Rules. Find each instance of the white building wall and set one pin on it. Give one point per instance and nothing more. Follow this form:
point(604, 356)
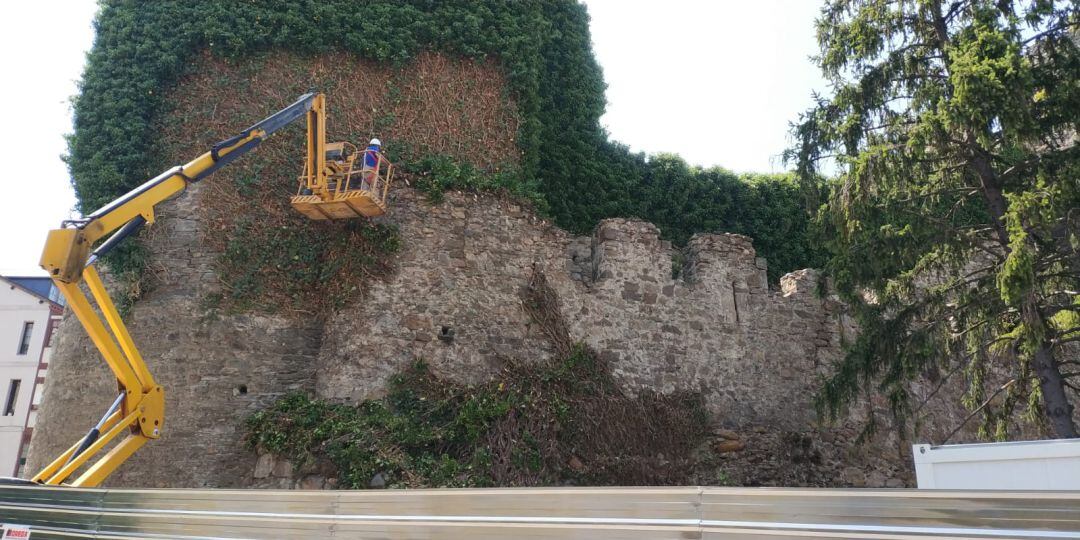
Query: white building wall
point(18, 307)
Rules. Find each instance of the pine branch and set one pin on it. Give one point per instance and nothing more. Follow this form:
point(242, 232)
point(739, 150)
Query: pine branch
point(1045, 33)
point(977, 410)
point(970, 190)
point(940, 385)
point(955, 9)
point(1062, 341)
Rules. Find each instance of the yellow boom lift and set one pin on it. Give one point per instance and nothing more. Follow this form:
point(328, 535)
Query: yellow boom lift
point(331, 187)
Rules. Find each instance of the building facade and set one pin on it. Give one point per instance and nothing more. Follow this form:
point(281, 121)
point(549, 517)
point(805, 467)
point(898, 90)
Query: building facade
point(30, 308)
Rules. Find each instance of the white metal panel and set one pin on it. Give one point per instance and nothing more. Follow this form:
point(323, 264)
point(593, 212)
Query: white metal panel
point(1040, 465)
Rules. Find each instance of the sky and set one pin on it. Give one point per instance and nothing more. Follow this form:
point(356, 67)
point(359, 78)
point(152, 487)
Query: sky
point(716, 81)
point(42, 52)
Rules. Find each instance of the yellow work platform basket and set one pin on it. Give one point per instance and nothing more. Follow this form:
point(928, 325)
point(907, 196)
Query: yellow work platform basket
point(338, 181)
point(351, 191)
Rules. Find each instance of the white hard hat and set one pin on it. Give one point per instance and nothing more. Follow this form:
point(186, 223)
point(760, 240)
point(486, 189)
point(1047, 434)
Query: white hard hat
point(375, 142)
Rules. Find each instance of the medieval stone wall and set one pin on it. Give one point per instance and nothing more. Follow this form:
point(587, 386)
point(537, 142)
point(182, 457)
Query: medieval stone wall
point(716, 328)
point(704, 319)
point(713, 326)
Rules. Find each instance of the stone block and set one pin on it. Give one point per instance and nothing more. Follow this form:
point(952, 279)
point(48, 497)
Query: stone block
point(575, 464)
point(416, 322)
point(283, 468)
point(378, 481)
point(729, 445)
point(312, 481)
point(853, 476)
point(264, 466)
point(726, 434)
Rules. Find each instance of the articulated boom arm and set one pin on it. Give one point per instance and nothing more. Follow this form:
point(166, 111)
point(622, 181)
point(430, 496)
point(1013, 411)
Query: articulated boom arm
point(69, 258)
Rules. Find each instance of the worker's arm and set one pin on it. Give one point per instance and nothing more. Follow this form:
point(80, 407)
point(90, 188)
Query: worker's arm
point(69, 258)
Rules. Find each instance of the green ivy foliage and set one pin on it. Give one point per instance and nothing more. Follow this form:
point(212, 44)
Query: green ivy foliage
point(408, 438)
point(299, 265)
point(568, 165)
point(143, 49)
point(524, 427)
point(434, 174)
point(683, 200)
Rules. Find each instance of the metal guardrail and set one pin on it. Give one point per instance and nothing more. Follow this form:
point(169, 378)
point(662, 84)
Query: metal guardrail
point(565, 513)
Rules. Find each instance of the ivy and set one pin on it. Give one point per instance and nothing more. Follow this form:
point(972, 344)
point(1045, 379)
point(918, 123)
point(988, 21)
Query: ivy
point(292, 266)
point(434, 174)
point(567, 167)
point(525, 427)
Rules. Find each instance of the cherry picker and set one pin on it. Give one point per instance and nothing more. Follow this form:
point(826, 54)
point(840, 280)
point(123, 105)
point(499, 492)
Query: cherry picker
point(327, 190)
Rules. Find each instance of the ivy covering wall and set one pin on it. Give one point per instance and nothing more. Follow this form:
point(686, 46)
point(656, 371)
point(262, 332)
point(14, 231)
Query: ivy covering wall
point(144, 48)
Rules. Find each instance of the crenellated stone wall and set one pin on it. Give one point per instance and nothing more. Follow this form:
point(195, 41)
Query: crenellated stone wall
point(716, 328)
point(703, 319)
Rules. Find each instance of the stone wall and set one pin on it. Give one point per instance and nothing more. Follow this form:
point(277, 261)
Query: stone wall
point(716, 328)
point(711, 324)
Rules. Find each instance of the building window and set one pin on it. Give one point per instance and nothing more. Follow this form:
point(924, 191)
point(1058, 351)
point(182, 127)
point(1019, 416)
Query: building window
point(12, 395)
point(24, 343)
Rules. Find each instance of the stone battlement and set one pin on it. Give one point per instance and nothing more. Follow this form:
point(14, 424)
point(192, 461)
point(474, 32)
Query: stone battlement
point(710, 257)
point(708, 324)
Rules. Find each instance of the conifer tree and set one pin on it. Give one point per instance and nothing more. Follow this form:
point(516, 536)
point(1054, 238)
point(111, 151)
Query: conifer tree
point(954, 219)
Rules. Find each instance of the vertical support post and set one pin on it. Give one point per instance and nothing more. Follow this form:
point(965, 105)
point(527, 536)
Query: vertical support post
point(386, 184)
point(316, 148)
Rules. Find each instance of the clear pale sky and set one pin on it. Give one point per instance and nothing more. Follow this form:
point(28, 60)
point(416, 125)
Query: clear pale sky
point(716, 81)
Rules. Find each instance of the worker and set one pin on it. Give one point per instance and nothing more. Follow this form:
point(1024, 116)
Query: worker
point(369, 169)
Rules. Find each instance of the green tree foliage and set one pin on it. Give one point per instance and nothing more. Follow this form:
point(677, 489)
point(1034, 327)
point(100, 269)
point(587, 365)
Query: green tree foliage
point(144, 48)
point(953, 221)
